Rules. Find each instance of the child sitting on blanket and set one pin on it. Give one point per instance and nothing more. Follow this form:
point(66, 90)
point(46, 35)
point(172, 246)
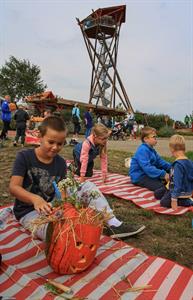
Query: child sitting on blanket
point(33, 177)
point(84, 153)
point(147, 168)
point(180, 186)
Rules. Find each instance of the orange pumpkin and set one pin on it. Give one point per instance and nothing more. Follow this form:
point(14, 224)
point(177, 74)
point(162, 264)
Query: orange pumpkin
point(12, 106)
point(73, 244)
point(37, 119)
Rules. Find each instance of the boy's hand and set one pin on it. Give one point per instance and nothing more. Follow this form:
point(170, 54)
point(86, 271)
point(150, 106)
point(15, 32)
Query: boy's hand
point(82, 179)
point(167, 177)
point(41, 206)
point(174, 204)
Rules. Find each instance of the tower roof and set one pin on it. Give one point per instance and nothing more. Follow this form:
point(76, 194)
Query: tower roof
point(117, 13)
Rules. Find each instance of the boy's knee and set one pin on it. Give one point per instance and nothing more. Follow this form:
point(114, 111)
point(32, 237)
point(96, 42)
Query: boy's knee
point(159, 193)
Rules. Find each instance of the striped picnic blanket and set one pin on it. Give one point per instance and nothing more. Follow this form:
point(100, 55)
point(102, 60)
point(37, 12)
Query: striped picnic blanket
point(32, 137)
point(121, 187)
point(117, 268)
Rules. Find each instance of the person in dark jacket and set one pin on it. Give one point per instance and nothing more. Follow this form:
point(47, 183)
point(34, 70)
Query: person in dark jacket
point(21, 117)
point(5, 116)
point(180, 186)
point(147, 168)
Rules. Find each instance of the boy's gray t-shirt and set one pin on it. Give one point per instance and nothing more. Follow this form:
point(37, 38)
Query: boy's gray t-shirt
point(38, 178)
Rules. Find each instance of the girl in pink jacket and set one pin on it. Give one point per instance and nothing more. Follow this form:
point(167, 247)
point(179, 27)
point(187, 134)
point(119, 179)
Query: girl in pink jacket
point(84, 153)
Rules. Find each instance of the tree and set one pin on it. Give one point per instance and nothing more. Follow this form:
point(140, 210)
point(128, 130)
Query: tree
point(20, 78)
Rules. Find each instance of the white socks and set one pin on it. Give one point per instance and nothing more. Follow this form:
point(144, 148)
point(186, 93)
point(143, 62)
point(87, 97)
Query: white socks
point(114, 222)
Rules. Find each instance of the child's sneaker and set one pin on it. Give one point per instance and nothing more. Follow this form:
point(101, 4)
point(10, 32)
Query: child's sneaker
point(123, 231)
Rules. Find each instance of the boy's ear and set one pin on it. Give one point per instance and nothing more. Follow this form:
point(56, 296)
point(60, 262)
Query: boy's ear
point(145, 138)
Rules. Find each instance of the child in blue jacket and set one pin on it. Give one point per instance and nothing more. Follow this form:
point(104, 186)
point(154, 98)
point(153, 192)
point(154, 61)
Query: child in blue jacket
point(180, 186)
point(147, 168)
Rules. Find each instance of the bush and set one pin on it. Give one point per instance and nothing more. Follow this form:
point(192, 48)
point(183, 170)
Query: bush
point(166, 131)
point(153, 120)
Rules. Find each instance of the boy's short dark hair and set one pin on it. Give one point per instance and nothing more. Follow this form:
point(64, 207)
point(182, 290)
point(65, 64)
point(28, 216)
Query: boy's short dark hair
point(146, 131)
point(53, 122)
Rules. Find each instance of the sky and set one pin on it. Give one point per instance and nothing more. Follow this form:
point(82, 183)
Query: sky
point(155, 59)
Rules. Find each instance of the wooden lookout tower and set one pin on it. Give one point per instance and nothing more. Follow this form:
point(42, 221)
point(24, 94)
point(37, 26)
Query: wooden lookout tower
point(101, 31)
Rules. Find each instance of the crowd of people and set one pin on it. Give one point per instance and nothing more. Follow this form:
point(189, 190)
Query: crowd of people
point(119, 129)
point(23, 119)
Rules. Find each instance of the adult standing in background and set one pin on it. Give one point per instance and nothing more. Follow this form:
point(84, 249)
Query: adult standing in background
point(5, 116)
point(186, 121)
point(76, 121)
point(88, 121)
point(21, 117)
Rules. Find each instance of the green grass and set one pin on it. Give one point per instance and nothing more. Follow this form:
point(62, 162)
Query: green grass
point(167, 236)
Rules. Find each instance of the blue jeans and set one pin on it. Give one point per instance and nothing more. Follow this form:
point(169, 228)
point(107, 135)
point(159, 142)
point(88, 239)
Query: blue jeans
point(87, 132)
point(153, 184)
point(166, 201)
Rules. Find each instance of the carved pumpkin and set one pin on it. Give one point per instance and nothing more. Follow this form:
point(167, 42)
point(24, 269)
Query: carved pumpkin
point(12, 106)
point(73, 244)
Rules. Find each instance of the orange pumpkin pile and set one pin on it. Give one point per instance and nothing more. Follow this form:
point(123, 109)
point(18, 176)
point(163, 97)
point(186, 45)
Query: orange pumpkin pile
point(74, 241)
point(37, 119)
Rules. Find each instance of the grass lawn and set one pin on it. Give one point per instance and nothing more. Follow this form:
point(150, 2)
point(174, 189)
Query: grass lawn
point(167, 236)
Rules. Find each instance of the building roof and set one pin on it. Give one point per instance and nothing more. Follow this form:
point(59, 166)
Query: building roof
point(48, 95)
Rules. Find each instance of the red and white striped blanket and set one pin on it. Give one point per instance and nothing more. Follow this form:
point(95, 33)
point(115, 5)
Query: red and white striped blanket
point(116, 268)
point(121, 187)
point(32, 137)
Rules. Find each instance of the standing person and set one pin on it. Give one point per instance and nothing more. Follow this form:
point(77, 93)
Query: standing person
point(99, 119)
point(180, 185)
point(21, 117)
point(186, 121)
point(147, 168)
point(130, 118)
point(88, 122)
point(32, 182)
point(76, 121)
point(5, 116)
point(134, 130)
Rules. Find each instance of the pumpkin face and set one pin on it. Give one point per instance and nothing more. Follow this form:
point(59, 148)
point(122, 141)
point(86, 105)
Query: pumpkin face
point(73, 245)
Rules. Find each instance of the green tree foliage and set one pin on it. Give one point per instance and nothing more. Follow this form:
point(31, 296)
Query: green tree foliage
point(20, 78)
point(153, 120)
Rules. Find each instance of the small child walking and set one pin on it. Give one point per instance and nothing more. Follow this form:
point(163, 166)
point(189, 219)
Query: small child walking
point(180, 185)
point(21, 117)
point(84, 153)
